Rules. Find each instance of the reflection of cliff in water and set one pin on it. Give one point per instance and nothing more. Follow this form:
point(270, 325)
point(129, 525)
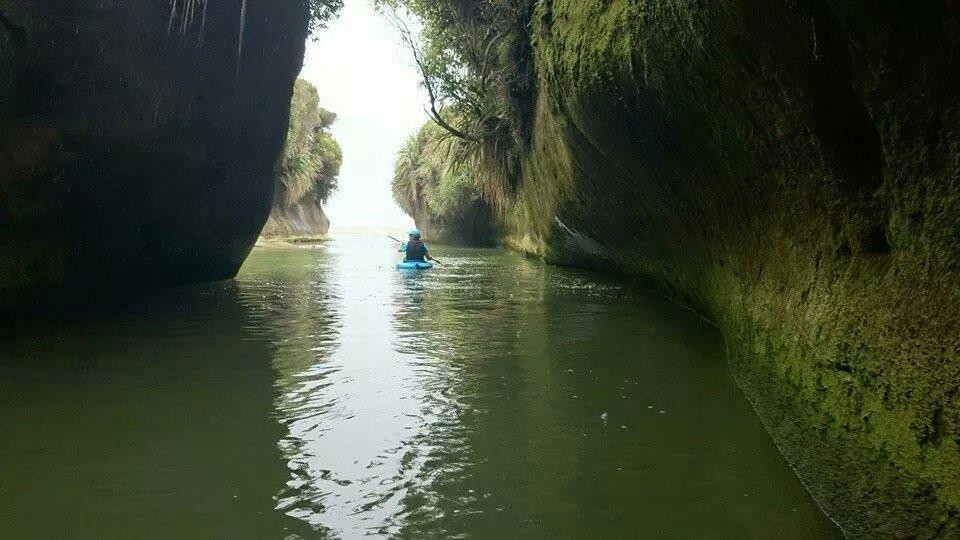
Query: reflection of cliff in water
point(560, 403)
point(152, 421)
point(298, 312)
point(462, 328)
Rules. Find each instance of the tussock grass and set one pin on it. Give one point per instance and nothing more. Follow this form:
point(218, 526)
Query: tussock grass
point(311, 158)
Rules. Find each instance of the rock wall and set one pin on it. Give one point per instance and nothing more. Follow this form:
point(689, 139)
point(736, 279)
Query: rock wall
point(303, 218)
point(308, 169)
point(472, 225)
point(136, 151)
point(791, 169)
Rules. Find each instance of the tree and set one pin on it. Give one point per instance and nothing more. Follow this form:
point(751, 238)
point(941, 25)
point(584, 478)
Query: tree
point(475, 61)
point(322, 12)
point(457, 56)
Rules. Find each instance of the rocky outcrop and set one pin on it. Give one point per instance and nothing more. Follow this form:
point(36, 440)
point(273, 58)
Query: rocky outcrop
point(308, 171)
point(303, 218)
point(138, 147)
point(790, 169)
point(471, 225)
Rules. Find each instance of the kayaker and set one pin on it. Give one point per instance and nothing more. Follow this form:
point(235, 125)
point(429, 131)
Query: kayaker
point(414, 249)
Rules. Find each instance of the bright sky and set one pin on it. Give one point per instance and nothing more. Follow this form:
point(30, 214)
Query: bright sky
point(364, 74)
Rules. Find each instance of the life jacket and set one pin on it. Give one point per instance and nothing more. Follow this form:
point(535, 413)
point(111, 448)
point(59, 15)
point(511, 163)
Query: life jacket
point(415, 251)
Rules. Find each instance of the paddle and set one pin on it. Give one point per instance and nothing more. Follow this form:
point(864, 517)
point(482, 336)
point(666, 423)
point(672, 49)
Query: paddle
point(401, 243)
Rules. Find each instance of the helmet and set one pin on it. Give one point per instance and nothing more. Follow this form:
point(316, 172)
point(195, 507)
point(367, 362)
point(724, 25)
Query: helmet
point(414, 233)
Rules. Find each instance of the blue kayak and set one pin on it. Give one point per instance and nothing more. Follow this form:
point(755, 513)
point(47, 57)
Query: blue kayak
point(414, 265)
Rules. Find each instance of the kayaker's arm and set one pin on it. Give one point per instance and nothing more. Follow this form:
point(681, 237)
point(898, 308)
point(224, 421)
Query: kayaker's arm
point(429, 258)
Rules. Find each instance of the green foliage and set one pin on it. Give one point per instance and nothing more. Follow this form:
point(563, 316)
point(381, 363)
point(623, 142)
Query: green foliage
point(322, 12)
point(429, 176)
point(475, 59)
point(311, 157)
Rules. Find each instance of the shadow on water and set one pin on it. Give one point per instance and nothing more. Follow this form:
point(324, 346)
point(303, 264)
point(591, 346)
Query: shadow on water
point(323, 393)
point(148, 421)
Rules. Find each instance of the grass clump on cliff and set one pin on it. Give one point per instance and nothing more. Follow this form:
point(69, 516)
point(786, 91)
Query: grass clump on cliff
point(311, 158)
point(429, 177)
point(475, 63)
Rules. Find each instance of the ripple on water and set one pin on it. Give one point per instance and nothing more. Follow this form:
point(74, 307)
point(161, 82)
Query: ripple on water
point(487, 395)
point(323, 393)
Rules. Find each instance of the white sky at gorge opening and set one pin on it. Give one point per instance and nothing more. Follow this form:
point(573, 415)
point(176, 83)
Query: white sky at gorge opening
point(364, 74)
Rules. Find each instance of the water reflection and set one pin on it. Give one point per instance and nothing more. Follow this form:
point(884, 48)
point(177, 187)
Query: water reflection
point(495, 394)
point(352, 407)
point(152, 421)
point(323, 393)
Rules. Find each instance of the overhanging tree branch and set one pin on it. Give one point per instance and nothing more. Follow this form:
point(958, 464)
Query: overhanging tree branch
point(433, 111)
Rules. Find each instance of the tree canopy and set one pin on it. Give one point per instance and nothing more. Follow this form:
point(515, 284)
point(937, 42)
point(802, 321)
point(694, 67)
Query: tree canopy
point(322, 12)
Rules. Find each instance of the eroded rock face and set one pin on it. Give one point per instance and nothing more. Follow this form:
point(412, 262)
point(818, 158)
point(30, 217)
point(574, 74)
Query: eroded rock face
point(471, 225)
point(792, 170)
point(135, 151)
point(303, 218)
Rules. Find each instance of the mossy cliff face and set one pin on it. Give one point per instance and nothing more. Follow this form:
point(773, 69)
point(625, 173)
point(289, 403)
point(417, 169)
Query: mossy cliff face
point(136, 150)
point(792, 170)
point(471, 225)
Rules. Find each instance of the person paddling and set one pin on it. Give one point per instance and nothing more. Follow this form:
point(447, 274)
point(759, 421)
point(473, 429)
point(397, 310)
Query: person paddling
point(414, 249)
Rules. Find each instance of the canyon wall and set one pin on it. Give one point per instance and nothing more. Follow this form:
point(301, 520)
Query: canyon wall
point(789, 169)
point(138, 142)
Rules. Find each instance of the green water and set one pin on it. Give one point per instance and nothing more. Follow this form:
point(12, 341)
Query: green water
point(323, 393)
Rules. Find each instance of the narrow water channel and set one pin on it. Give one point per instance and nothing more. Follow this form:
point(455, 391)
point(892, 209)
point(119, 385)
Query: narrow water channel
point(325, 394)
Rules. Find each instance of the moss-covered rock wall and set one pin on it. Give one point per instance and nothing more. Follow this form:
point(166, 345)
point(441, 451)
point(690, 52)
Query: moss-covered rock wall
point(138, 148)
point(471, 225)
point(791, 169)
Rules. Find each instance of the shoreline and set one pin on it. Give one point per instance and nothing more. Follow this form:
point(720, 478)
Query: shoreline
point(291, 241)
